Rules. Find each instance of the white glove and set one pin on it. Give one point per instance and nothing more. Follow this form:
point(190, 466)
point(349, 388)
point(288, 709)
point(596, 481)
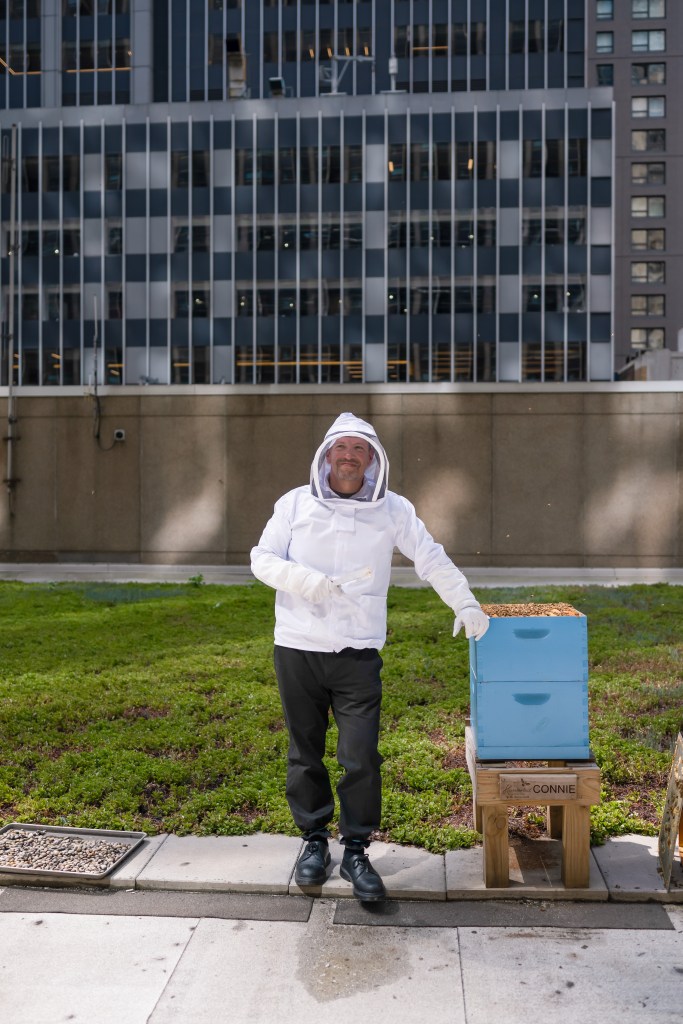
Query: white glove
point(317, 587)
point(475, 621)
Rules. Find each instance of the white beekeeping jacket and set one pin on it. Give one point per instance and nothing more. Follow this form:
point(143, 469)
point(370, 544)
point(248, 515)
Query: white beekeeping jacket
point(351, 541)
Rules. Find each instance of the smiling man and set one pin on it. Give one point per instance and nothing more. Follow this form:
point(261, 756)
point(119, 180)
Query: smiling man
point(327, 551)
point(348, 458)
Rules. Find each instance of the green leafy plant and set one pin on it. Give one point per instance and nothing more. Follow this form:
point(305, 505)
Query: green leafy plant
point(155, 707)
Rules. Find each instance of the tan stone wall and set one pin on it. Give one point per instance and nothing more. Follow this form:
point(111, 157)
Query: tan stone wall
point(502, 477)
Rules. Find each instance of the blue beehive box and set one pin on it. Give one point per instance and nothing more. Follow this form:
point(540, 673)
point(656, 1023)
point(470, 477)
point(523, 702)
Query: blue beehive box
point(529, 688)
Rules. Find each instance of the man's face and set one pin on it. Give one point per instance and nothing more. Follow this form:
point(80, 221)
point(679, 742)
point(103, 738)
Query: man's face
point(348, 457)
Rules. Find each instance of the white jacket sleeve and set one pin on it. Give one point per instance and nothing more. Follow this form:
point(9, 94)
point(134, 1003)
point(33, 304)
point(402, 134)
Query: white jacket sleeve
point(270, 565)
point(431, 561)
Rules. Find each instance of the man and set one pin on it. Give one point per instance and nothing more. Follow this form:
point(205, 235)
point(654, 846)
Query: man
point(327, 552)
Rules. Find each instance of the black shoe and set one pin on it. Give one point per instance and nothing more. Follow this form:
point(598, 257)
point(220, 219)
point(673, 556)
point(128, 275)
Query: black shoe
point(310, 867)
point(356, 868)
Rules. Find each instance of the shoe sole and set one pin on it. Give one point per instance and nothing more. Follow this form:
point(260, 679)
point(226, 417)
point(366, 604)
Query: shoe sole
point(362, 897)
point(304, 883)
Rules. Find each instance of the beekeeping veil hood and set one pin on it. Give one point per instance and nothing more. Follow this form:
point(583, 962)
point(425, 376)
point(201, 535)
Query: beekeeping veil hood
point(376, 475)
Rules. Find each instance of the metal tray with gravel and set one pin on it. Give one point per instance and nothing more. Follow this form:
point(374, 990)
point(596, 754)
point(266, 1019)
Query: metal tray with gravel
point(51, 852)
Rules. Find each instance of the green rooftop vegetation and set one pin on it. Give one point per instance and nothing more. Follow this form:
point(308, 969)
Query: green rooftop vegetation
point(155, 708)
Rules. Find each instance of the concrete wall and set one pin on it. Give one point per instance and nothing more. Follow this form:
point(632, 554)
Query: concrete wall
point(503, 476)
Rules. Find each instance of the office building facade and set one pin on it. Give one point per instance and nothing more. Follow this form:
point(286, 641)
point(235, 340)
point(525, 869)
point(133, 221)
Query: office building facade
point(635, 47)
point(282, 192)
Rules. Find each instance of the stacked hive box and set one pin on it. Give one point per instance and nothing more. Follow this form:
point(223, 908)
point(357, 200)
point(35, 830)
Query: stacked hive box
point(529, 686)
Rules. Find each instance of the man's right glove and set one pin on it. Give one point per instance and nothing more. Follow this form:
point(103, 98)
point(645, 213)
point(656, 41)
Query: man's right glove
point(317, 587)
point(475, 622)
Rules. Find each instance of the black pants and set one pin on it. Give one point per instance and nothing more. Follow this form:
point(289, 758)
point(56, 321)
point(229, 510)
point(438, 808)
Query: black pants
point(311, 683)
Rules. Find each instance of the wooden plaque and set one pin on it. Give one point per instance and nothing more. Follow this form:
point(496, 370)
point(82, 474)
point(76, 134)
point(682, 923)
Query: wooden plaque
point(671, 832)
point(538, 788)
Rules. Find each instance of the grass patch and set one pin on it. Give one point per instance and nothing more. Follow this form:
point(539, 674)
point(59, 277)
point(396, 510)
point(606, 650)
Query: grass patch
point(156, 708)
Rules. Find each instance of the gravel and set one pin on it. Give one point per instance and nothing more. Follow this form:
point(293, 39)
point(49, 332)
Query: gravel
point(44, 851)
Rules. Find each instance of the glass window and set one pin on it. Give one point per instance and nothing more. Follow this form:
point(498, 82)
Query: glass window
point(244, 300)
point(397, 299)
point(289, 41)
point(63, 305)
point(287, 234)
point(113, 171)
point(647, 337)
point(353, 164)
point(419, 161)
point(605, 74)
point(114, 239)
point(648, 206)
point(576, 230)
point(648, 41)
point(265, 167)
point(649, 140)
point(71, 241)
point(516, 37)
point(648, 9)
point(604, 42)
point(265, 237)
point(536, 37)
point(30, 242)
point(401, 41)
point(556, 35)
point(464, 161)
point(578, 158)
point(191, 304)
point(648, 238)
point(308, 234)
point(532, 230)
point(397, 234)
point(244, 166)
point(331, 164)
point(397, 162)
point(191, 237)
point(604, 10)
point(114, 304)
point(648, 74)
point(464, 232)
point(270, 47)
point(539, 156)
point(441, 165)
point(287, 165)
point(353, 234)
point(653, 173)
point(180, 170)
point(478, 38)
point(30, 306)
point(486, 161)
point(647, 305)
point(30, 174)
point(325, 44)
point(650, 272)
point(486, 231)
point(308, 45)
point(648, 106)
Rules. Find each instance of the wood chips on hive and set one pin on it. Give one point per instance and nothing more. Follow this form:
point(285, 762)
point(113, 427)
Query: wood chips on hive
point(506, 611)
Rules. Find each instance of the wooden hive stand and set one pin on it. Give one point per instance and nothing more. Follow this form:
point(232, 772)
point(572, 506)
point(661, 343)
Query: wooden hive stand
point(567, 788)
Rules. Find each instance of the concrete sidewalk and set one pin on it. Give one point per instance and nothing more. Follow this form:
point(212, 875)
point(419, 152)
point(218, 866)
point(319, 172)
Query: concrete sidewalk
point(478, 576)
point(623, 870)
point(209, 930)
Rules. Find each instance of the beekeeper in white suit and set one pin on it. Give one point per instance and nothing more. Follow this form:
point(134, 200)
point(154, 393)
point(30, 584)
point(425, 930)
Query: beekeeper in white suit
point(327, 551)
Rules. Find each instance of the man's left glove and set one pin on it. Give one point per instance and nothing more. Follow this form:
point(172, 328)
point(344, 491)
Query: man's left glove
point(475, 622)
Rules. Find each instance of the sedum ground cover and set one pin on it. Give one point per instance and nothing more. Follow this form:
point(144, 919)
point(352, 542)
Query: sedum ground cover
point(156, 708)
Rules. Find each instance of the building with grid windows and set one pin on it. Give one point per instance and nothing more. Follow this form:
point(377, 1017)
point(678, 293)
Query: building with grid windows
point(635, 47)
point(289, 191)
